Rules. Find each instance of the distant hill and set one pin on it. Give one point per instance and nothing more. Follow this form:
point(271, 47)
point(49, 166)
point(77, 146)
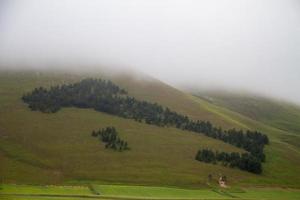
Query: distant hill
point(282, 115)
point(59, 146)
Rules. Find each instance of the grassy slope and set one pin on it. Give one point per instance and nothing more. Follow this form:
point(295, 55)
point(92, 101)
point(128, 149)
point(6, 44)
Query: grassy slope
point(153, 90)
point(283, 153)
point(60, 147)
point(282, 115)
point(283, 158)
point(156, 152)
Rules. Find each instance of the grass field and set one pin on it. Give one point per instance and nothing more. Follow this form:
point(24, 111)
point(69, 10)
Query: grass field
point(24, 192)
point(58, 147)
point(154, 192)
point(46, 190)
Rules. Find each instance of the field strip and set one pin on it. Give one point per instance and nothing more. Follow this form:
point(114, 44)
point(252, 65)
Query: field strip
point(126, 192)
point(224, 193)
point(112, 197)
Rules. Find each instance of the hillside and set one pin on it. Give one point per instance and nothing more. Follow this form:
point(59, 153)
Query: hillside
point(280, 114)
point(60, 148)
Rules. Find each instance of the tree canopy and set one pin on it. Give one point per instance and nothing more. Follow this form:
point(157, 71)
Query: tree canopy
point(110, 137)
point(243, 161)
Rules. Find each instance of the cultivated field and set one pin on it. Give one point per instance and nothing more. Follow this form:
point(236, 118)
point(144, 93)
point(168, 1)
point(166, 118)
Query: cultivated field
point(24, 192)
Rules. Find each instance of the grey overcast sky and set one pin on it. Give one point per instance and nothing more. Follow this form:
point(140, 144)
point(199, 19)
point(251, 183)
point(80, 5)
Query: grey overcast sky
point(241, 44)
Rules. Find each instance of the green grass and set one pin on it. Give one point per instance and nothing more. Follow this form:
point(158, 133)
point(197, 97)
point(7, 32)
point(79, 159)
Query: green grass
point(9, 197)
point(269, 193)
point(282, 165)
point(155, 192)
point(282, 115)
point(60, 149)
point(25, 192)
point(45, 190)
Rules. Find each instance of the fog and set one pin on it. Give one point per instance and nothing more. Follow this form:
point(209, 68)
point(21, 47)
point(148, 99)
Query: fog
point(251, 45)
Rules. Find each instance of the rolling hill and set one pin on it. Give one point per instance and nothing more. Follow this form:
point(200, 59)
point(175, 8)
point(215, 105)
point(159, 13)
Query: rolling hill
point(59, 148)
point(280, 114)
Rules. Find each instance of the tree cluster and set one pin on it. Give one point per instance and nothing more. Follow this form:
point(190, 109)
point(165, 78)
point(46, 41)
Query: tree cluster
point(88, 93)
point(111, 139)
point(105, 96)
point(243, 161)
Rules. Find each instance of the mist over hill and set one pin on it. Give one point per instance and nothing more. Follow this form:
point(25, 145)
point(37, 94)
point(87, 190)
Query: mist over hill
point(240, 45)
point(139, 99)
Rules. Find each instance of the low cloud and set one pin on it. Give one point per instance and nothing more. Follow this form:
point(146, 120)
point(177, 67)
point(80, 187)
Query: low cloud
point(248, 45)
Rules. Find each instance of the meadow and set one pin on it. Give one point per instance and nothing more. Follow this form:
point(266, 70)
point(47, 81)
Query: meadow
point(26, 192)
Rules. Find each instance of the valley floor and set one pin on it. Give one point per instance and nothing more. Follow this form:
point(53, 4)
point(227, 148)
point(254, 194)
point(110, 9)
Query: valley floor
point(108, 192)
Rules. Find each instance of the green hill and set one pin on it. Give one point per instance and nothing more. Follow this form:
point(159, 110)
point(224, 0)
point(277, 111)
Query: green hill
point(280, 114)
point(40, 148)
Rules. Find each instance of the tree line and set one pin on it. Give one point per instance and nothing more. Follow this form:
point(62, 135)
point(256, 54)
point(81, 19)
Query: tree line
point(105, 96)
point(110, 137)
point(244, 161)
